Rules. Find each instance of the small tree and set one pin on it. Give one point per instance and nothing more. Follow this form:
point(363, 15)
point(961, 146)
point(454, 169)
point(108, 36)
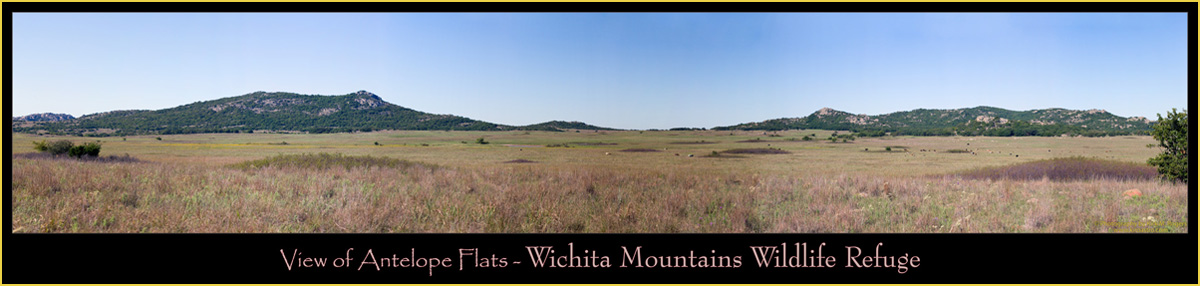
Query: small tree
point(1172, 135)
point(480, 141)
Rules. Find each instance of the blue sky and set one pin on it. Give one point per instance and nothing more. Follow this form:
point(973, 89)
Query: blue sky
point(622, 70)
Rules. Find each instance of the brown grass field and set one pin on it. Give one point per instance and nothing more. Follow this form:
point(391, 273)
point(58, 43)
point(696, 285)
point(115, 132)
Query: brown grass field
point(439, 181)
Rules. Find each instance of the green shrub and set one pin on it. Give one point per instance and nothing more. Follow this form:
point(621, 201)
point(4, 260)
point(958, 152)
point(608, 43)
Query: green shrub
point(43, 147)
point(480, 141)
point(61, 147)
point(56, 148)
point(85, 149)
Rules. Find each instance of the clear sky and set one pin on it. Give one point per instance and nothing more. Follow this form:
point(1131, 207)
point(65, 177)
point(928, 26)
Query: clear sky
point(621, 70)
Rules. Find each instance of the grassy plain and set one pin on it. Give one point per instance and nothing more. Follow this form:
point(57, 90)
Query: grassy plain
point(449, 183)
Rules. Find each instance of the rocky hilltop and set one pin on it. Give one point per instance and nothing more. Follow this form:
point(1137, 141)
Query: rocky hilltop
point(44, 117)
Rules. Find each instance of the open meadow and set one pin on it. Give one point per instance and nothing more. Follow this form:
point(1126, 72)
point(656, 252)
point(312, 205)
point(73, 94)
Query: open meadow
point(593, 182)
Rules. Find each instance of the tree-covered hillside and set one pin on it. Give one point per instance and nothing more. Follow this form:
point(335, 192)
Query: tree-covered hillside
point(561, 126)
point(983, 120)
point(265, 111)
point(275, 112)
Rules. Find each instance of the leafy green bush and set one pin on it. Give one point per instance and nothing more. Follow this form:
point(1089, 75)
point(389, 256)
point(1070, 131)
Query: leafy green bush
point(54, 148)
point(1172, 135)
point(480, 141)
point(43, 147)
point(85, 149)
point(61, 147)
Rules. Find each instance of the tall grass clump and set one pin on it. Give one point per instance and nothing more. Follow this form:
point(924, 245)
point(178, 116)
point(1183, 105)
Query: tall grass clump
point(1066, 169)
point(325, 161)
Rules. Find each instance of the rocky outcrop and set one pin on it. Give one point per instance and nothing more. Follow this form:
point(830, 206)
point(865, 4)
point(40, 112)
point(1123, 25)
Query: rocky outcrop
point(44, 117)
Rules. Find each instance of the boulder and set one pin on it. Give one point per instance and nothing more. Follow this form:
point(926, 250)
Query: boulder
point(1132, 193)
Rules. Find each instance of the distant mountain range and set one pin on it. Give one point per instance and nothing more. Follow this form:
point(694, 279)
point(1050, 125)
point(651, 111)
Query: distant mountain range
point(364, 111)
point(982, 120)
point(275, 111)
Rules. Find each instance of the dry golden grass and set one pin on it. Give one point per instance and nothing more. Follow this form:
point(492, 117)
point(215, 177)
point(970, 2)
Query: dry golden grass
point(189, 184)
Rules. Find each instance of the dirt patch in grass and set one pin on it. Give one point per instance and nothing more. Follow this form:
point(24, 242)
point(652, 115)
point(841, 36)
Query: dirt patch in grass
point(519, 161)
point(641, 150)
point(956, 151)
point(755, 151)
point(523, 146)
point(1066, 169)
point(591, 143)
point(694, 142)
point(877, 150)
point(719, 155)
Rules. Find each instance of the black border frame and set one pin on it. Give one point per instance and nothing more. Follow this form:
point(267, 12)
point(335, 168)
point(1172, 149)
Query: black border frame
point(251, 258)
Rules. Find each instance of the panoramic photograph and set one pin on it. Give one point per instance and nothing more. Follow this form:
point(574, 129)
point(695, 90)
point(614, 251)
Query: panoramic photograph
point(599, 123)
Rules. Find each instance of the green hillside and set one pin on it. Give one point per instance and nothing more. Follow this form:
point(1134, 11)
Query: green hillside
point(275, 112)
point(265, 111)
point(983, 120)
point(562, 126)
